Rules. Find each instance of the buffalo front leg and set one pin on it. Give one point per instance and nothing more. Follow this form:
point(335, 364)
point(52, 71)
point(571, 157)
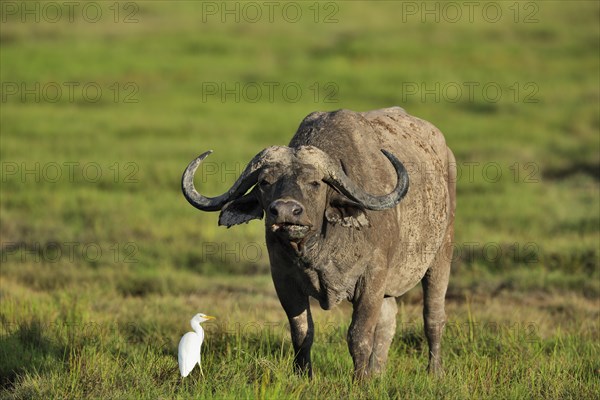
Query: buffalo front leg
point(384, 333)
point(297, 309)
point(367, 305)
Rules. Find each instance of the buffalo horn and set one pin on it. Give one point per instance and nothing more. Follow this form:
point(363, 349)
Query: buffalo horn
point(339, 180)
point(246, 180)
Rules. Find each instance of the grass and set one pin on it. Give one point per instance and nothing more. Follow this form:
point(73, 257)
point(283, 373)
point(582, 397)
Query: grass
point(100, 274)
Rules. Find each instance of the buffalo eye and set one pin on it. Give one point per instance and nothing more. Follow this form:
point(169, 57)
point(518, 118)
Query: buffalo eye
point(263, 183)
point(315, 184)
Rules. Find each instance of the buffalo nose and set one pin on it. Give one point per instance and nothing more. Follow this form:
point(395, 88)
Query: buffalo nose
point(285, 208)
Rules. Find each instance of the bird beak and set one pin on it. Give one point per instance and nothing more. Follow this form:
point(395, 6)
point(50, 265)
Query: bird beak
point(209, 317)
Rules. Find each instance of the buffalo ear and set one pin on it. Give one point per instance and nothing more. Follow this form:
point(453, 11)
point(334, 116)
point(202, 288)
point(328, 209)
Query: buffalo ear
point(241, 210)
point(346, 212)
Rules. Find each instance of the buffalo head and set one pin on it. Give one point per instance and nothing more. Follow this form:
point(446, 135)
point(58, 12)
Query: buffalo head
point(297, 189)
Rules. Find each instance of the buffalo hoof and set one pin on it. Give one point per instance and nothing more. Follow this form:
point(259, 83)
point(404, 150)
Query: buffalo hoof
point(436, 370)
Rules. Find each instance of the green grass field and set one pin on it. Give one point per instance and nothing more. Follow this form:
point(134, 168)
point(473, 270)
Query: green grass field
point(104, 262)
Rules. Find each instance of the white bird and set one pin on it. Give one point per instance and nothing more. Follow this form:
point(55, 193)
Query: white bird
point(189, 345)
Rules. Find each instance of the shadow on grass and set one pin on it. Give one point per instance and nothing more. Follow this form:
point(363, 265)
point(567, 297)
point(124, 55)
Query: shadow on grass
point(581, 167)
point(409, 341)
point(26, 349)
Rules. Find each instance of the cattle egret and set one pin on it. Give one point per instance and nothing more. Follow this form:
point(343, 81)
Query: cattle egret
point(189, 345)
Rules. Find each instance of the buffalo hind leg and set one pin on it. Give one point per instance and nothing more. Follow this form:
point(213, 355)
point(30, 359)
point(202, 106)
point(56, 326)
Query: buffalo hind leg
point(384, 333)
point(435, 283)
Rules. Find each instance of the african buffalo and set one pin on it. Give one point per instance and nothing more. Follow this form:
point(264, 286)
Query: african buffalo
point(341, 223)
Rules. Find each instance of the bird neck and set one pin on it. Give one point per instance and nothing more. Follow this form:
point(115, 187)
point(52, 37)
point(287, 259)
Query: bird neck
point(196, 327)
